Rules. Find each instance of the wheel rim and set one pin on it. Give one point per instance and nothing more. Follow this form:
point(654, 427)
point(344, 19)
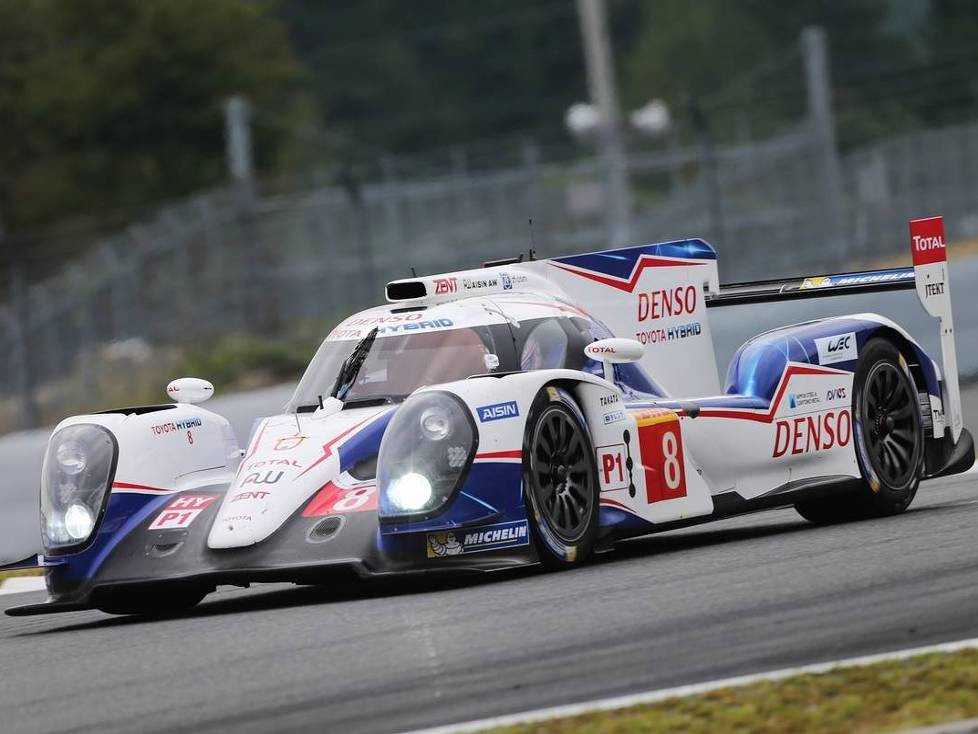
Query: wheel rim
point(560, 474)
point(891, 424)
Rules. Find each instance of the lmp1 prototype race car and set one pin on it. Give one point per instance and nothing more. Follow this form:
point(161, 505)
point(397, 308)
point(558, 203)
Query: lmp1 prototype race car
point(519, 413)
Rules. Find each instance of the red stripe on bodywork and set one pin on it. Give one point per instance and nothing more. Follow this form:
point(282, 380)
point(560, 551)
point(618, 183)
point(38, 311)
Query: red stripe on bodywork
point(143, 487)
point(768, 415)
point(517, 454)
point(645, 261)
point(328, 446)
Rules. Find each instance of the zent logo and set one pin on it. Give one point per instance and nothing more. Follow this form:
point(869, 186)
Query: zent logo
point(838, 348)
point(498, 411)
point(249, 496)
point(445, 285)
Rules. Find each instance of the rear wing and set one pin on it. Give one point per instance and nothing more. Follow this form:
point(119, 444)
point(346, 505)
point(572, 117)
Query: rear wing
point(928, 276)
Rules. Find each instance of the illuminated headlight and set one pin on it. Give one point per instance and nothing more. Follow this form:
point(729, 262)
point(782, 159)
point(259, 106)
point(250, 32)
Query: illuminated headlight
point(409, 492)
point(75, 480)
point(418, 470)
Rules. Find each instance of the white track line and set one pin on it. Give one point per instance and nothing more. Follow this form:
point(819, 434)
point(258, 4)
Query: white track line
point(620, 702)
point(21, 584)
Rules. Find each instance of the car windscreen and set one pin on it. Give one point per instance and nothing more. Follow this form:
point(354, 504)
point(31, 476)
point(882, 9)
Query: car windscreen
point(398, 365)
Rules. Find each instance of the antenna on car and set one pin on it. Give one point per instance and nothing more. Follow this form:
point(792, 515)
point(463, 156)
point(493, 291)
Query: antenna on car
point(413, 274)
point(532, 243)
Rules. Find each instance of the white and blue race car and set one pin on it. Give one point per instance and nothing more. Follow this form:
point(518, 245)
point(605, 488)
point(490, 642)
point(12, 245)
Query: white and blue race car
point(523, 412)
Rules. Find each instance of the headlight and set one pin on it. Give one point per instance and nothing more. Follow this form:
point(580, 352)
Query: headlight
point(424, 455)
point(75, 480)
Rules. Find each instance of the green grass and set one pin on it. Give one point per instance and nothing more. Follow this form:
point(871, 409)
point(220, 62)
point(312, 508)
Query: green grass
point(21, 572)
point(892, 696)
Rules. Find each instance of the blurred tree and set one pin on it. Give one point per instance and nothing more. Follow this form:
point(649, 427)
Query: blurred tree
point(109, 104)
point(742, 59)
point(426, 75)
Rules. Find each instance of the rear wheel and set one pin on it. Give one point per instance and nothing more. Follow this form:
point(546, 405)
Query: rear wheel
point(153, 602)
point(888, 436)
point(559, 480)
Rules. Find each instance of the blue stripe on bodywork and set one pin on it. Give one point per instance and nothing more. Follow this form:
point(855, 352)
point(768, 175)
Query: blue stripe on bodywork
point(621, 263)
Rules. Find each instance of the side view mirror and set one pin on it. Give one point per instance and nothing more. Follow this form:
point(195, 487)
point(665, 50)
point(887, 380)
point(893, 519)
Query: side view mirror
point(189, 390)
point(614, 351)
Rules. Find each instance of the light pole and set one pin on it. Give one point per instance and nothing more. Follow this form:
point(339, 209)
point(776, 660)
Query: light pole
point(604, 98)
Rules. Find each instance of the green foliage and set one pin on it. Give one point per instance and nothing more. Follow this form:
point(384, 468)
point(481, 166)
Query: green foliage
point(239, 362)
point(890, 696)
point(110, 104)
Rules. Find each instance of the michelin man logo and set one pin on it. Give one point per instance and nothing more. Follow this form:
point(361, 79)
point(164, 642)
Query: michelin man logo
point(443, 544)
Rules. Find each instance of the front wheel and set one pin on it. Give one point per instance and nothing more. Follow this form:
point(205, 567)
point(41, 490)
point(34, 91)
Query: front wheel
point(559, 480)
point(889, 440)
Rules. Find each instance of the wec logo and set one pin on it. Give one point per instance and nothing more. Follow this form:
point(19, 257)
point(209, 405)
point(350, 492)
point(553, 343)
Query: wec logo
point(498, 411)
point(838, 348)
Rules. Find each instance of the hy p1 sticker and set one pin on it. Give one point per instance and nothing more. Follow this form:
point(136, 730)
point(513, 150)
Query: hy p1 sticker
point(182, 512)
point(478, 540)
point(838, 348)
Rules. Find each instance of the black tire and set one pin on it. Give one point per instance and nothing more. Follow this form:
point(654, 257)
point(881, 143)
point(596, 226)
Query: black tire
point(888, 438)
point(559, 480)
point(152, 602)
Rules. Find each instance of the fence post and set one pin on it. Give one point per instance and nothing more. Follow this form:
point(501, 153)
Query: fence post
point(822, 121)
point(22, 356)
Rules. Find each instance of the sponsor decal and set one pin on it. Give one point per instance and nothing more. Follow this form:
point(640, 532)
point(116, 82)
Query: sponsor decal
point(614, 416)
point(813, 433)
point(333, 499)
point(869, 278)
point(250, 496)
point(182, 512)
point(609, 399)
point(802, 399)
point(273, 462)
point(822, 281)
point(927, 241)
point(173, 426)
point(392, 324)
point(838, 393)
point(882, 276)
point(491, 537)
point(236, 518)
point(266, 478)
point(497, 411)
point(416, 326)
point(445, 285)
point(683, 331)
point(287, 443)
point(470, 284)
point(507, 281)
point(838, 348)
point(663, 303)
point(613, 462)
point(934, 289)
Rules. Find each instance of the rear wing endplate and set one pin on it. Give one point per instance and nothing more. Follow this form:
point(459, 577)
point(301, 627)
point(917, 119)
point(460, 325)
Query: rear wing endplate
point(928, 276)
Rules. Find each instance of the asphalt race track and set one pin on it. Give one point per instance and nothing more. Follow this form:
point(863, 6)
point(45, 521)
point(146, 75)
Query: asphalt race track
point(746, 595)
